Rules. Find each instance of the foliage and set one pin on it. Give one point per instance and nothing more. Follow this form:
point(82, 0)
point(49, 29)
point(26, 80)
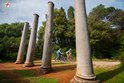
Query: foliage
point(121, 50)
point(39, 45)
point(70, 13)
point(105, 27)
point(10, 35)
point(104, 33)
point(63, 32)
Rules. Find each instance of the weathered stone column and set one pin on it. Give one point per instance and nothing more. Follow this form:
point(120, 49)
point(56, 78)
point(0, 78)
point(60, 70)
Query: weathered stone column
point(32, 42)
point(84, 72)
point(47, 49)
point(20, 57)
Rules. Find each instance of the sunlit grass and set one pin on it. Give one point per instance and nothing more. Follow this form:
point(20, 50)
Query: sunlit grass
point(42, 80)
point(111, 75)
point(24, 73)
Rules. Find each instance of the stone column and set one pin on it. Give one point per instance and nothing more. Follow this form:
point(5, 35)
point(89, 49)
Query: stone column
point(32, 42)
point(47, 49)
point(20, 57)
point(84, 72)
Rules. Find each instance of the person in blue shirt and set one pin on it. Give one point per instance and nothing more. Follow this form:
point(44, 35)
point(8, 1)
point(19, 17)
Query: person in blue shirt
point(59, 54)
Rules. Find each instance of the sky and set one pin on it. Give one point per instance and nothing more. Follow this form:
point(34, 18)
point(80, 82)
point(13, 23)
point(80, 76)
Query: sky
point(23, 10)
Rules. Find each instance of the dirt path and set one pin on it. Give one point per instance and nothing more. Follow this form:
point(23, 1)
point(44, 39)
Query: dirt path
point(13, 66)
point(64, 72)
point(105, 63)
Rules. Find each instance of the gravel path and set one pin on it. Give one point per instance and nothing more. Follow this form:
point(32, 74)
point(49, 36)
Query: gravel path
point(105, 63)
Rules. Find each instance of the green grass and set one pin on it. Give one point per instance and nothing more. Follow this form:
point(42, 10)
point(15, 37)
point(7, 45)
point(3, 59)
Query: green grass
point(25, 76)
point(30, 75)
point(25, 73)
point(110, 75)
point(43, 80)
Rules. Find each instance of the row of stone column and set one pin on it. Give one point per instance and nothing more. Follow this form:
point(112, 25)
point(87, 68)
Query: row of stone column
point(31, 45)
point(47, 51)
point(84, 72)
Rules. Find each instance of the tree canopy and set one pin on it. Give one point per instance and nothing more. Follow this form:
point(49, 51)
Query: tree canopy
point(105, 25)
point(10, 35)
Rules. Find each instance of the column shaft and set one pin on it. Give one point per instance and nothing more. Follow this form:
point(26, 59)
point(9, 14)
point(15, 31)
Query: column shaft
point(32, 42)
point(47, 49)
point(20, 57)
point(84, 72)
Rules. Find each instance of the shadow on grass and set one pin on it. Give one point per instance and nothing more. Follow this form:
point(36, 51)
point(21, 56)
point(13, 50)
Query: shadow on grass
point(14, 81)
point(56, 69)
point(15, 76)
point(110, 74)
point(23, 76)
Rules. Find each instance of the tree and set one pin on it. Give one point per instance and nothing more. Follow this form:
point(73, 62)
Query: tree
point(117, 17)
point(101, 25)
point(39, 45)
point(63, 32)
point(103, 36)
point(71, 13)
point(10, 35)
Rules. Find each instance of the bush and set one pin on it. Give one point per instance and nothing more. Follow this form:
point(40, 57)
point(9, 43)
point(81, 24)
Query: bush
point(121, 57)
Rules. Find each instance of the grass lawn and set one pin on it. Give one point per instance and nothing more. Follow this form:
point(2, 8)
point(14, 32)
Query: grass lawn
point(43, 80)
point(110, 75)
point(29, 75)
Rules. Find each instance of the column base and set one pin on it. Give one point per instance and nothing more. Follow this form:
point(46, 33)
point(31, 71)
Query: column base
point(45, 70)
point(77, 79)
point(19, 62)
point(30, 64)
